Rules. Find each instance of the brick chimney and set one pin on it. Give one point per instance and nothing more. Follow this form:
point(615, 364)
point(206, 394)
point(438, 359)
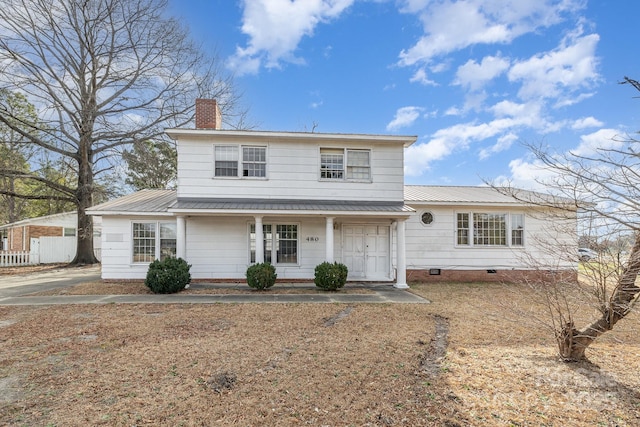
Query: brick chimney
point(208, 114)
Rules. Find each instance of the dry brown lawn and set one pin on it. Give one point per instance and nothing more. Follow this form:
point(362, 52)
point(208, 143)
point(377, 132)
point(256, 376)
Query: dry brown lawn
point(467, 359)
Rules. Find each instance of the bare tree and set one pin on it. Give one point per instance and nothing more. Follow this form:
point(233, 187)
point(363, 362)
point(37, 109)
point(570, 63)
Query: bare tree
point(103, 74)
point(603, 185)
point(14, 154)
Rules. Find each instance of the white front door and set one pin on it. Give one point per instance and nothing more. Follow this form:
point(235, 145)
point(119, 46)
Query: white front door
point(366, 251)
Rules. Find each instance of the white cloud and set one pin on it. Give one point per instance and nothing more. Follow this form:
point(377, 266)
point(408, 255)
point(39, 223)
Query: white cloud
point(569, 67)
point(275, 28)
point(509, 119)
point(475, 75)
point(404, 117)
point(453, 25)
point(504, 143)
point(586, 122)
point(420, 76)
point(601, 139)
point(528, 174)
point(533, 174)
point(446, 141)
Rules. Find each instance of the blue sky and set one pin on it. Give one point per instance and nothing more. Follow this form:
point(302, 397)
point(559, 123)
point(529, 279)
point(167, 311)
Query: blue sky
point(471, 79)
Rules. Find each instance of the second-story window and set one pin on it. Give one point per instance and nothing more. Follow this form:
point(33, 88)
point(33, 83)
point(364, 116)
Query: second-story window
point(358, 165)
point(254, 161)
point(340, 164)
point(331, 163)
point(240, 161)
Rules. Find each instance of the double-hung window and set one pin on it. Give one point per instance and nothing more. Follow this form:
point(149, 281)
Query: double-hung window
point(345, 164)
point(280, 243)
point(489, 229)
point(153, 240)
point(331, 163)
point(517, 230)
point(240, 161)
point(358, 165)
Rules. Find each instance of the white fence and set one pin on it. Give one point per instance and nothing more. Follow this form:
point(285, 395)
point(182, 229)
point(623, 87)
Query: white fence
point(15, 258)
point(57, 249)
point(46, 250)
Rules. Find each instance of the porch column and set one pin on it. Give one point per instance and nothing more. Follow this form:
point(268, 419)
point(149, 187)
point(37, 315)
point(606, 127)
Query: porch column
point(329, 240)
point(259, 240)
point(181, 237)
point(401, 265)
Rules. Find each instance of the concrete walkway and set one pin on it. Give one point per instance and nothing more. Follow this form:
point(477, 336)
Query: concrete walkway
point(14, 290)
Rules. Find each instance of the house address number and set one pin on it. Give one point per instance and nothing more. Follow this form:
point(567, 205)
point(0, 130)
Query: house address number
point(313, 239)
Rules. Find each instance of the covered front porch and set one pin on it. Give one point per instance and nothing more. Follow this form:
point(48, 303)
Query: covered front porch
point(219, 238)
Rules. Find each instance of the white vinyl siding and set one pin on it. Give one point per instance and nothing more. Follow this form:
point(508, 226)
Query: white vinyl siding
point(292, 172)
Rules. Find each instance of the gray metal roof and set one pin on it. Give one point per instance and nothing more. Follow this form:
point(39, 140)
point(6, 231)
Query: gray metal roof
point(434, 194)
point(290, 205)
point(143, 201)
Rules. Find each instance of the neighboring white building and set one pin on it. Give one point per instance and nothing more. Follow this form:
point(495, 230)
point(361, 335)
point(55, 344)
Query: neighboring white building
point(309, 198)
point(58, 230)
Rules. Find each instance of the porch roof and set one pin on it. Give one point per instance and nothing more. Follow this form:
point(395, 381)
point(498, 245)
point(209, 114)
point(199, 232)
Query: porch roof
point(282, 206)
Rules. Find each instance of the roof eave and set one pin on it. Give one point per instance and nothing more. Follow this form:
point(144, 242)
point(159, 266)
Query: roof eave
point(406, 140)
point(126, 213)
point(272, 212)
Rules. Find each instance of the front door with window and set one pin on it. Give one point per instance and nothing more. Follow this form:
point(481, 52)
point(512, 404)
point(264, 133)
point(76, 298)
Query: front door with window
point(365, 251)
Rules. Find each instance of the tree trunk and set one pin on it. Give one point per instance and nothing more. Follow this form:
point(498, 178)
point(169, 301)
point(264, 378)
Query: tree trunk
point(573, 343)
point(84, 195)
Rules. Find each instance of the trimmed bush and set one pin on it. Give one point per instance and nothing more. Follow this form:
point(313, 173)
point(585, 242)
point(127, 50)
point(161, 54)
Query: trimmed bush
point(261, 276)
point(331, 277)
point(168, 276)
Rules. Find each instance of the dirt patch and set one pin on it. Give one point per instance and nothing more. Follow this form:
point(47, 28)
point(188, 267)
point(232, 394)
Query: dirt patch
point(223, 381)
point(431, 359)
point(330, 321)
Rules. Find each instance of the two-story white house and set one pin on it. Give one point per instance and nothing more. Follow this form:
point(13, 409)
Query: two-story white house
point(298, 199)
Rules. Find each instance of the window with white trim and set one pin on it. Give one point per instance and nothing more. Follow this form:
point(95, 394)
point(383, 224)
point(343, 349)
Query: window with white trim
point(153, 240)
point(517, 230)
point(331, 163)
point(236, 161)
point(345, 164)
point(489, 229)
point(281, 245)
point(359, 165)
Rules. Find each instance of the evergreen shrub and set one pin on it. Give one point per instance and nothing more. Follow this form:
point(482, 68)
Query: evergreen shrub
point(168, 276)
point(261, 276)
point(331, 276)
